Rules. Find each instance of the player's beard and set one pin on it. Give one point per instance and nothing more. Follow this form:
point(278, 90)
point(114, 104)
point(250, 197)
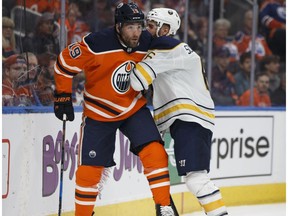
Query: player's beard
point(130, 42)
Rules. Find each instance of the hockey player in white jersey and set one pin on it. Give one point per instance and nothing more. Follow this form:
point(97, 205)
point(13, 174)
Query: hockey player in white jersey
point(182, 104)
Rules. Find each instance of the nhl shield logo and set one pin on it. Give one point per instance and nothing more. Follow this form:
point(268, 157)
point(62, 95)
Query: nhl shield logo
point(121, 77)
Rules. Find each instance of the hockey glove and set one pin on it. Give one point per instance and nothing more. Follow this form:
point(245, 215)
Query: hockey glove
point(63, 105)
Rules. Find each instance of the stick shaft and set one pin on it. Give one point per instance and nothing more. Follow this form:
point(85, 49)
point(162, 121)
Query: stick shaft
point(62, 165)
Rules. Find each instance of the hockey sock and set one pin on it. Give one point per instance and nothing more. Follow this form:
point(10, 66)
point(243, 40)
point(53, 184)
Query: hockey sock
point(86, 191)
point(155, 161)
point(209, 196)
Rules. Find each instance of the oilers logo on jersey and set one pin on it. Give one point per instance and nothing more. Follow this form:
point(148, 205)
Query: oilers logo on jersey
point(121, 77)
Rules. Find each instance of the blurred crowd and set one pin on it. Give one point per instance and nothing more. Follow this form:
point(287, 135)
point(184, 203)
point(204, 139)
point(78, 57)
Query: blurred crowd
point(31, 44)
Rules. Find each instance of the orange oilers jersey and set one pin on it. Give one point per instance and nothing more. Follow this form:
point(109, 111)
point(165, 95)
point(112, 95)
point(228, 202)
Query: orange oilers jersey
point(107, 66)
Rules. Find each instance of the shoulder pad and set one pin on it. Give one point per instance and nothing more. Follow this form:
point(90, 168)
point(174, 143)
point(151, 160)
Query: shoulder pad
point(107, 40)
point(144, 42)
point(102, 41)
point(164, 42)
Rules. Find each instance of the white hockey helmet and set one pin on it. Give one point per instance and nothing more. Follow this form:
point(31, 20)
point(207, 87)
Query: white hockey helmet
point(165, 16)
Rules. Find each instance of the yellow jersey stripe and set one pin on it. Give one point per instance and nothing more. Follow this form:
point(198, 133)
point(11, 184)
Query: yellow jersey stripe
point(183, 106)
point(144, 73)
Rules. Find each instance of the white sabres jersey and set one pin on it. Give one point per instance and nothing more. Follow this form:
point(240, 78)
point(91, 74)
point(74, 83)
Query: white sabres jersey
point(180, 89)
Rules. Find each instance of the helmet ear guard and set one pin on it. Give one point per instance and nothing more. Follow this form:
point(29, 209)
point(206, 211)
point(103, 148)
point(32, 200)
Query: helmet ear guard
point(125, 13)
point(165, 16)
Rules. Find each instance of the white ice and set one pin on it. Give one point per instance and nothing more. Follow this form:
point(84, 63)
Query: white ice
point(278, 209)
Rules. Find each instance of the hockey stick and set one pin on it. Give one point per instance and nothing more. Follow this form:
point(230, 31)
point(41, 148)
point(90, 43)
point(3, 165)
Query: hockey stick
point(171, 199)
point(62, 164)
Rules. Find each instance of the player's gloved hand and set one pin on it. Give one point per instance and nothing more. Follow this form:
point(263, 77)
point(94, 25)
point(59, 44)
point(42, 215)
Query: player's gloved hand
point(63, 105)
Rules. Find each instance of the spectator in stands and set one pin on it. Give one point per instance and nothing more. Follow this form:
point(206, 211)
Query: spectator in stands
point(272, 16)
point(221, 38)
point(42, 6)
point(261, 93)
point(36, 5)
point(156, 4)
point(101, 15)
point(223, 83)
point(7, 6)
point(68, 5)
point(43, 39)
point(15, 72)
point(221, 31)
point(32, 66)
point(77, 89)
point(243, 38)
point(76, 28)
point(218, 7)
point(45, 84)
point(50, 69)
point(191, 33)
point(32, 76)
point(242, 76)
point(172, 4)
point(199, 8)
point(278, 97)
point(271, 66)
point(199, 42)
point(8, 38)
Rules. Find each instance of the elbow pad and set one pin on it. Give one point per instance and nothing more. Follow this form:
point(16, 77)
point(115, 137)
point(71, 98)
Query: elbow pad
point(137, 81)
point(142, 76)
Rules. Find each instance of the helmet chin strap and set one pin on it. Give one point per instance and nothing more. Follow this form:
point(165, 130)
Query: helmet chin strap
point(158, 29)
point(157, 32)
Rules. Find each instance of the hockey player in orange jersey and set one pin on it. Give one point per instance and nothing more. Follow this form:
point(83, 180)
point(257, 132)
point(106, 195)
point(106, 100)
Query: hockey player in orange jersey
point(107, 59)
